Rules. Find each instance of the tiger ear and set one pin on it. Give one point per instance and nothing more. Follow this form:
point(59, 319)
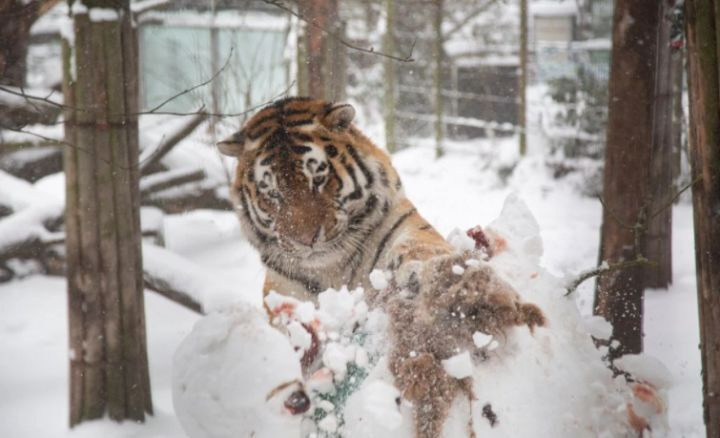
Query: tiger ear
point(339, 117)
point(232, 146)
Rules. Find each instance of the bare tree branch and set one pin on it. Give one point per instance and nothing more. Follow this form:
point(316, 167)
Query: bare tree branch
point(675, 196)
point(604, 269)
point(468, 18)
point(335, 35)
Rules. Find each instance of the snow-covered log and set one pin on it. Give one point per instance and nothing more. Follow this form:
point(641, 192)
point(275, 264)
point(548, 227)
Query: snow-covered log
point(16, 194)
point(189, 196)
point(32, 162)
point(159, 181)
point(17, 111)
point(150, 157)
point(183, 281)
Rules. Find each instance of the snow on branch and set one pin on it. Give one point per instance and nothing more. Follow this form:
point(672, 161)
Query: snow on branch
point(164, 180)
point(24, 233)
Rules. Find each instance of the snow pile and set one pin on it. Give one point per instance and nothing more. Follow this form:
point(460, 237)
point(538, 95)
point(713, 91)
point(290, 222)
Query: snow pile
point(553, 382)
point(234, 375)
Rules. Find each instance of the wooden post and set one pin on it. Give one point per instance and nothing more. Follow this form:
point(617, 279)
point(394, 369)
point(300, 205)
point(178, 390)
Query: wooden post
point(703, 36)
point(108, 361)
point(626, 191)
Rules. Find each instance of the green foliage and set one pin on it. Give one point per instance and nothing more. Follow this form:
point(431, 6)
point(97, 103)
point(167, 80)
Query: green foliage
point(338, 396)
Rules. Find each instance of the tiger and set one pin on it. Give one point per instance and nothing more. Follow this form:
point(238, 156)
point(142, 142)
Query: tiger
point(325, 207)
point(321, 203)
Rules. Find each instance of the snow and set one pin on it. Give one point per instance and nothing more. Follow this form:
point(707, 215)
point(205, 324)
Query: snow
point(459, 366)
point(646, 368)
point(378, 280)
point(104, 14)
point(380, 403)
point(78, 8)
point(553, 8)
point(28, 224)
point(141, 6)
point(598, 327)
point(232, 375)
point(482, 340)
point(196, 281)
point(16, 193)
point(460, 240)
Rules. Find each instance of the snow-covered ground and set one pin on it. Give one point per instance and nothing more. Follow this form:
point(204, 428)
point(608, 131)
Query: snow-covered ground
point(460, 190)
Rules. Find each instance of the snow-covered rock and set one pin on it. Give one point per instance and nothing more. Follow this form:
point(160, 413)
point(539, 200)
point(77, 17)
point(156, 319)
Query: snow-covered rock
point(234, 376)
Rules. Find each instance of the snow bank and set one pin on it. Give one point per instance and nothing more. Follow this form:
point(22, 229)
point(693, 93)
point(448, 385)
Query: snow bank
point(182, 275)
point(233, 376)
point(553, 382)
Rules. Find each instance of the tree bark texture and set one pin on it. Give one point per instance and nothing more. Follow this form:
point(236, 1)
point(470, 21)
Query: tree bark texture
point(108, 365)
point(703, 36)
point(628, 152)
point(321, 53)
point(659, 237)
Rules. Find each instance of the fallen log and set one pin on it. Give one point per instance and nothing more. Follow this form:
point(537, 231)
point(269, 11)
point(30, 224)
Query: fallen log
point(150, 158)
point(160, 181)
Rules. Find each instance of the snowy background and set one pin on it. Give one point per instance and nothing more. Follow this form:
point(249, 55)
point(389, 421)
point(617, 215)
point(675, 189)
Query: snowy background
point(205, 253)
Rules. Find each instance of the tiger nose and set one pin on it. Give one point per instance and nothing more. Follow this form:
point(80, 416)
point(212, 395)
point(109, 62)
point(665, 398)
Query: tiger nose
point(311, 236)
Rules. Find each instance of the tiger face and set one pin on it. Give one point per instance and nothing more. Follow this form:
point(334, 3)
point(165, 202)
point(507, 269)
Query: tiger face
point(307, 181)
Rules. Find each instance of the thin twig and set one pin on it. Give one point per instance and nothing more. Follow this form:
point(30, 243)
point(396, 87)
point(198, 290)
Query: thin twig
point(675, 196)
point(612, 213)
point(335, 35)
point(604, 269)
point(194, 87)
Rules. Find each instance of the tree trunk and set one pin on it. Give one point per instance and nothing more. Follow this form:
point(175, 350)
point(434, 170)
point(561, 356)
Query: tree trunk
point(16, 18)
point(438, 76)
point(108, 361)
point(523, 76)
point(322, 53)
point(659, 237)
point(703, 35)
point(619, 296)
point(335, 58)
point(390, 103)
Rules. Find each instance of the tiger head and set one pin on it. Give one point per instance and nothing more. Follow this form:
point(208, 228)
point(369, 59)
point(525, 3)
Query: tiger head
point(307, 180)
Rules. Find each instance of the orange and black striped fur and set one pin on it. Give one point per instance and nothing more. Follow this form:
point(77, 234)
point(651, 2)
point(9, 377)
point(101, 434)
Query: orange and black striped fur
point(322, 204)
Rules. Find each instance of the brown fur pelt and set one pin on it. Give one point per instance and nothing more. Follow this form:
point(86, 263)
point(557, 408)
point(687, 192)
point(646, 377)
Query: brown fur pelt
point(438, 322)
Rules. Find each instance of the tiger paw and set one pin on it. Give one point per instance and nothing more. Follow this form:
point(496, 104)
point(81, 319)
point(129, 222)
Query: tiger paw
point(478, 295)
